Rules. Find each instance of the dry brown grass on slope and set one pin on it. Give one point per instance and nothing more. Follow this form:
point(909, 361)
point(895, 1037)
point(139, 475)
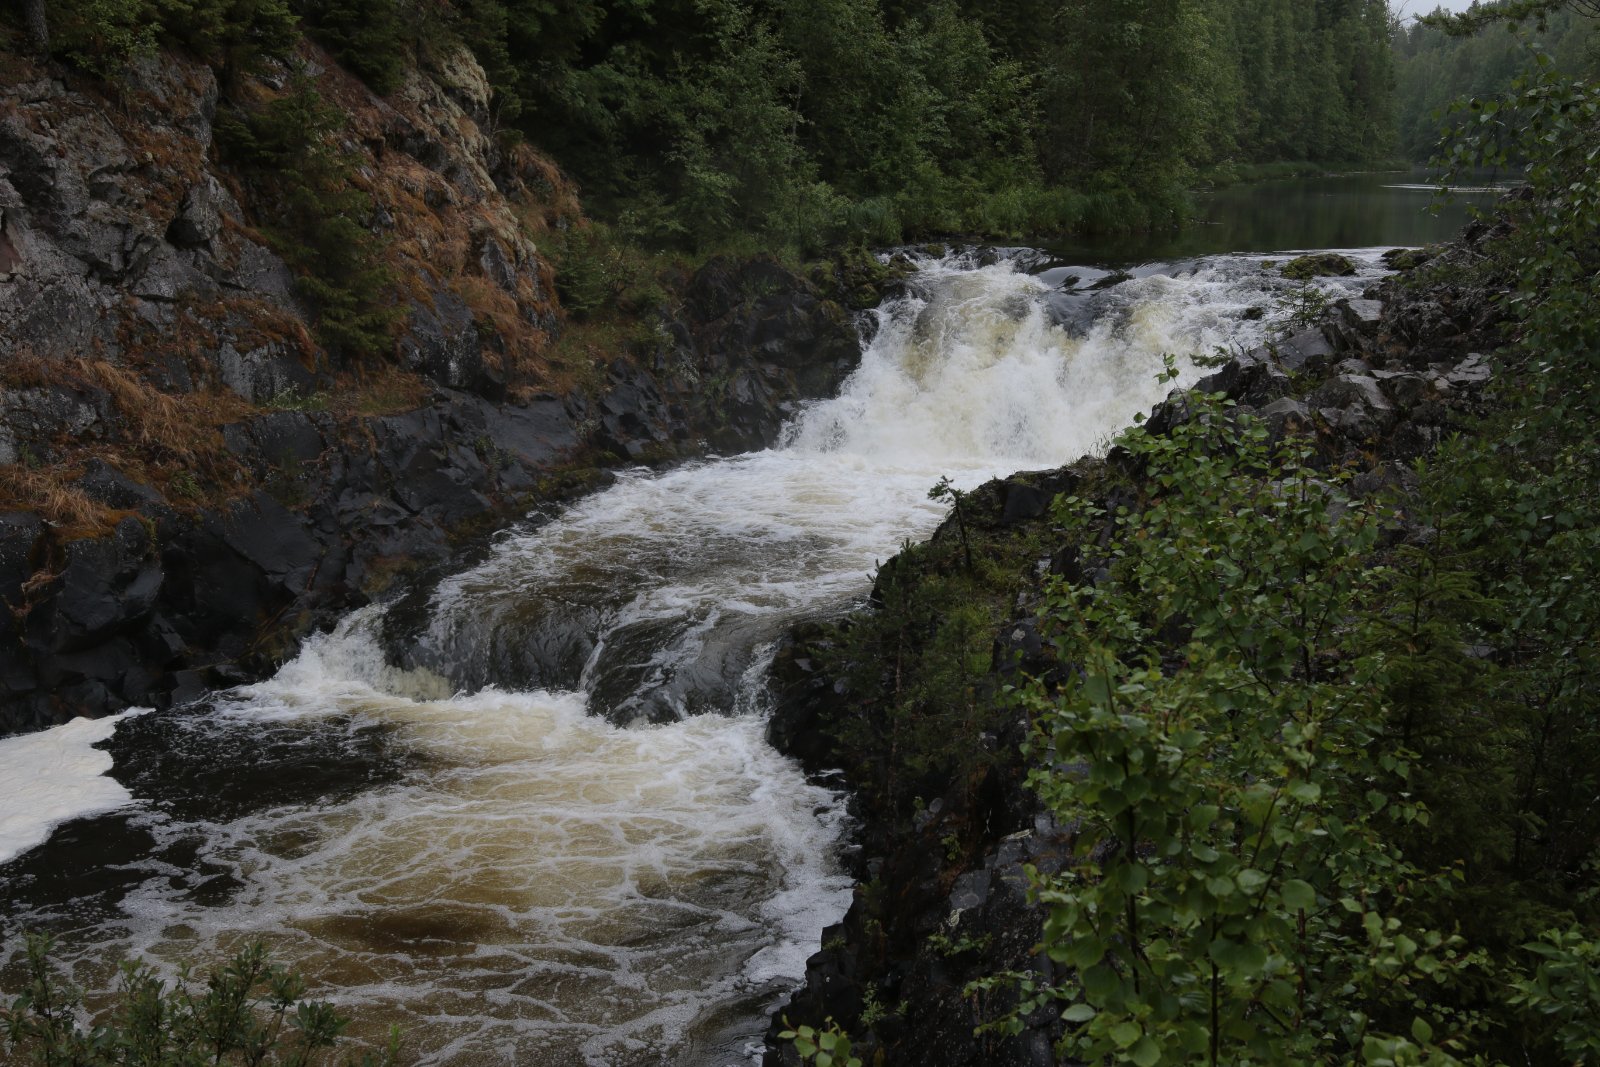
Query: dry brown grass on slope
point(383, 390)
point(50, 493)
point(170, 441)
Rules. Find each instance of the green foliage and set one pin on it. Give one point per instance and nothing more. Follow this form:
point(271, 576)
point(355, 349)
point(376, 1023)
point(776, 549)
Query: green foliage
point(1266, 703)
point(944, 490)
point(828, 1047)
point(234, 36)
point(692, 122)
point(597, 272)
point(249, 1011)
point(700, 123)
point(1566, 988)
point(1301, 308)
point(101, 36)
point(915, 665)
point(1436, 67)
point(1237, 895)
point(370, 37)
point(1526, 531)
point(319, 217)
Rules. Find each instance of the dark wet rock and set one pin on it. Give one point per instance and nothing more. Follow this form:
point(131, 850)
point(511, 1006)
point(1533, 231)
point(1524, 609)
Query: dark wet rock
point(105, 587)
point(104, 484)
point(331, 508)
point(1286, 416)
point(20, 534)
point(199, 220)
point(442, 344)
point(92, 239)
point(32, 420)
point(1355, 404)
point(1306, 350)
point(1404, 388)
point(264, 374)
point(1354, 323)
point(1252, 377)
point(273, 541)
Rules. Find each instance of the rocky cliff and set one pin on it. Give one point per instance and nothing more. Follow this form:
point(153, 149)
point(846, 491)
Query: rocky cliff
point(943, 890)
point(191, 477)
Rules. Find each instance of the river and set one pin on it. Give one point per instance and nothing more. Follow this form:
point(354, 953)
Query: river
point(550, 830)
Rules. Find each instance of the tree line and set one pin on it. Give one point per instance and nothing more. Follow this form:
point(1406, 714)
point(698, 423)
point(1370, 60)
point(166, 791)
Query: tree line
point(1437, 64)
point(694, 122)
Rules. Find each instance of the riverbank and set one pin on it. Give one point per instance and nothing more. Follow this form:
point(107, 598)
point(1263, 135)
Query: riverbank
point(1224, 175)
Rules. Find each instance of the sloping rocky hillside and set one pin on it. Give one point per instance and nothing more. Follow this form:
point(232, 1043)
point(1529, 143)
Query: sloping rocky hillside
point(191, 478)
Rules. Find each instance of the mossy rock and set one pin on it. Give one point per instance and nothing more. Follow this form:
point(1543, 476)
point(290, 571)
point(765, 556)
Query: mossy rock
point(1319, 265)
point(1403, 259)
point(863, 280)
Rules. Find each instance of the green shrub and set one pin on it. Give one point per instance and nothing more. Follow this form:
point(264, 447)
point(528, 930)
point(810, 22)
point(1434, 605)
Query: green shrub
point(234, 36)
point(1223, 750)
point(368, 37)
point(101, 36)
point(319, 218)
point(247, 1012)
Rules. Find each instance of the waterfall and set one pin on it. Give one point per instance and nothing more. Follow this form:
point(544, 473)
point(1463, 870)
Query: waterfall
point(540, 824)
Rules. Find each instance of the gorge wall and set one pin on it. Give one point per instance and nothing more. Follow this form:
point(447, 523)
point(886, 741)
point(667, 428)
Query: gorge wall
point(191, 478)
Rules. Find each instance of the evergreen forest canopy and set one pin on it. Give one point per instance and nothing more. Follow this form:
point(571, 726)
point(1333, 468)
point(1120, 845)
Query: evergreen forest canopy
point(690, 122)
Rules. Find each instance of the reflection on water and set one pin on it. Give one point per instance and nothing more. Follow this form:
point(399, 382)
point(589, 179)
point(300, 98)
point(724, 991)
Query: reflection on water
point(1347, 211)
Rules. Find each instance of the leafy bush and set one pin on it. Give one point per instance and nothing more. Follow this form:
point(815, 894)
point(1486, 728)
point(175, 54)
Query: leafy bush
point(825, 1047)
point(1223, 749)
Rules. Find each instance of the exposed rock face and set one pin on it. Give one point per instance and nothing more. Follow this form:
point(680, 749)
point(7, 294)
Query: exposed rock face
point(942, 902)
point(189, 481)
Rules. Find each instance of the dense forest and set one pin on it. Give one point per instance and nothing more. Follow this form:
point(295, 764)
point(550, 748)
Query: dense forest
point(694, 123)
point(1435, 68)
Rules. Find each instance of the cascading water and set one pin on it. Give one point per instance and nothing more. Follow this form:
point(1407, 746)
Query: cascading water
point(525, 845)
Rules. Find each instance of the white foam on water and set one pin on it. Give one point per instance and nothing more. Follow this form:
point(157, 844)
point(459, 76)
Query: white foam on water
point(54, 776)
point(967, 376)
point(546, 888)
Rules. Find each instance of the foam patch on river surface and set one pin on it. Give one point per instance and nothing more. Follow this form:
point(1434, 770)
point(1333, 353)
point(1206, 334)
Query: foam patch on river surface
point(52, 777)
point(541, 887)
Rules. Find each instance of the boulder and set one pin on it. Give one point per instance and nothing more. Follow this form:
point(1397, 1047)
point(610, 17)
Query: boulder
point(106, 586)
point(1354, 405)
point(199, 218)
point(1306, 350)
point(1252, 378)
point(1319, 265)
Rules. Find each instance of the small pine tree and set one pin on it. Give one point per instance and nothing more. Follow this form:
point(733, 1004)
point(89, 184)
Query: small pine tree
point(248, 1011)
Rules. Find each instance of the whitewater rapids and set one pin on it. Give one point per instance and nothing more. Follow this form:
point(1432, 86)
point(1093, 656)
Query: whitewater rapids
point(557, 835)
